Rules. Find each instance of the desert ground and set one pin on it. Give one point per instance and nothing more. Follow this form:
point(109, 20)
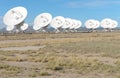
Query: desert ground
point(60, 55)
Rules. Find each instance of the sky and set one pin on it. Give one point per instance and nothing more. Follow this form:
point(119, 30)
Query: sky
point(75, 9)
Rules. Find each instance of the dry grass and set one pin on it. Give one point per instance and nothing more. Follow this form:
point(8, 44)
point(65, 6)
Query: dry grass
point(40, 39)
point(7, 70)
point(79, 53)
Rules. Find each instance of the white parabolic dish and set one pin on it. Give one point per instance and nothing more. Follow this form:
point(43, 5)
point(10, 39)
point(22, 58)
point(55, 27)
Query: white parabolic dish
point(42, 20)
point(74, 24)
point(57, 22)
point(114, 24)
point(90, 24)
point(10, 28)
point(106, 23)
point(15, 16)
point(67, 24)
point(24, 26)
point(97, 24)
point(79, 24)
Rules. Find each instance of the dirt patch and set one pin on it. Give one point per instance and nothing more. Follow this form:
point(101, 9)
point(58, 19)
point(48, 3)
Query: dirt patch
point(12, 41)
point(23, 64)
point(22, 48)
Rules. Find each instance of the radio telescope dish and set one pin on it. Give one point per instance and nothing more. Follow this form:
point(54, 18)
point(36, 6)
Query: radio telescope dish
point(24, 27)
point(57, 22)
point(15, 16)
point(67, 24)
point(106, 23)
point(36, 27)
point(42, 20)
point(97, 24)
point(90, 24)
point(10, 28)
point(114, 24)
point(79, 24)
point(74, 24)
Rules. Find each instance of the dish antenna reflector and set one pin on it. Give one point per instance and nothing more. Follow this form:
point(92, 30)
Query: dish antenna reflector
point(114, 24)
point(10, 28)
point(74, 24)
point(97, 24)
point(42, 20)
point(57, 22)
point(106, 23)
point(90, 24)
point(15, 17)
point(24, 27)
point(79, 24)
point(67, 24)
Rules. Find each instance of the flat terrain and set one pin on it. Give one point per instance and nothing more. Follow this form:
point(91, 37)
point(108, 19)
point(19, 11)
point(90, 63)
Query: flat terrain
point(61, 55)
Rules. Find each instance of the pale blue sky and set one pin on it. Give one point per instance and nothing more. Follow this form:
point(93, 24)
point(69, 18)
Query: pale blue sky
point(76, 9)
